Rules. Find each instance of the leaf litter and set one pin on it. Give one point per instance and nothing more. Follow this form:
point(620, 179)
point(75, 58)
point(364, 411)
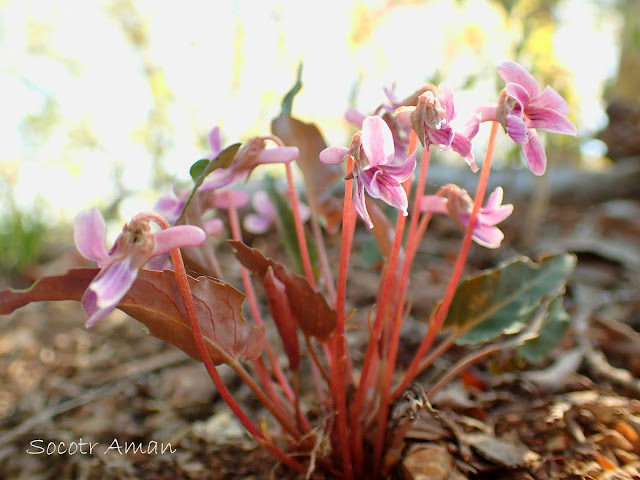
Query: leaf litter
point(504, 419)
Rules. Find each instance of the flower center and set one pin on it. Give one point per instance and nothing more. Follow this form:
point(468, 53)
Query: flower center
point(434, 115)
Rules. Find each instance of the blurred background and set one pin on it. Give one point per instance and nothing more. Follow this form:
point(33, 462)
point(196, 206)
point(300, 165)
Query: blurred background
point(106, 103)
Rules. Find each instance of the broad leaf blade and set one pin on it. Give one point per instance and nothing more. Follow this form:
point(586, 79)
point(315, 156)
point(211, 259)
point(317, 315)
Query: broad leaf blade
point(198, 168)
point(318, 177)
point(504, 299)
point(154, 300)
point(70, 286)
point(314, 316)
point(551, 333)
point(223, 160)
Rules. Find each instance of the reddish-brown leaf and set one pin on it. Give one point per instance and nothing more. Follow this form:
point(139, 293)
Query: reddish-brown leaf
point(154, 300)
point(312, 312)
point(282, 317)
point(318, 177)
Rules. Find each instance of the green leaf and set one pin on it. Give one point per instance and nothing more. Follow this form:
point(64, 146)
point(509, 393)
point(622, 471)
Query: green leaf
point(287, 227)
point(197, 169)
point(287, 100)
point(223, 160)
point(553, 329)
point(503, 300)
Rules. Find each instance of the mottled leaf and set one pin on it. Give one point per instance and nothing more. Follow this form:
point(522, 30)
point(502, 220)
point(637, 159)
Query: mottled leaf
point(312, 312)
point(552, 331)
point(318, 177)
point(154, 300)
point(504, 299)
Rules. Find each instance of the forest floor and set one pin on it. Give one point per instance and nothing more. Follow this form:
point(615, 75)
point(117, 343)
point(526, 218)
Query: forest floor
point(576, 415)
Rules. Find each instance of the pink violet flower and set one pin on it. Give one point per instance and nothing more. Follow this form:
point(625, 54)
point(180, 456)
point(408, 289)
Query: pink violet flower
point(430, 118)
point(458, 206)
point(266, 213)
point(133, 248)
point(252, 154)
point(375, 169)
point(522, 109)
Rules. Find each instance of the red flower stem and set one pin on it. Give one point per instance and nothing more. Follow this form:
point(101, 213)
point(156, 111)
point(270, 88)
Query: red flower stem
point(401, 291)
point(337, 341)
point(255, 310)
point(187, 299)
point(436, 353)
point(275, 406)
point(316, 360)
point(302, 239)
point(370, 359)
point(324, 261)
point(458, 268)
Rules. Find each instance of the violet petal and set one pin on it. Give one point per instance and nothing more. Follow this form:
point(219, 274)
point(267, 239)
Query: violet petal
point(179, 236)
point(392, 193)
point(89, 231)
point(517, 129)
point(534, 154)
point(224, 199)
point(107, 289)
point(488, 236)
point(462, 146)
point(495, 199)
point(215, 142)
point(496, 215)
point(553, 100)
point(433, 204)
point(355, 117)
point(277, 155)
point(256, 223)
point(513, 72)
point(518, 92)
point(360, 204)
point(403, 171)
point(333, 155)
point(442, 137)
point(549, 120)
point(446, 101)
point(377, 141)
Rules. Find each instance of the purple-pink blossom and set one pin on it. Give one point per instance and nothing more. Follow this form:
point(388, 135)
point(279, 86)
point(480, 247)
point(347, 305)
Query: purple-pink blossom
point(252, 154)
point(133, 248)
point(522, 109)
point(266, 213)
point(458, 205)
point(376, 169)
point(430, 118)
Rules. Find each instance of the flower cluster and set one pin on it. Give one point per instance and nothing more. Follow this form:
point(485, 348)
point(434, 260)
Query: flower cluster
point(208, 321)
point(379, 149)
